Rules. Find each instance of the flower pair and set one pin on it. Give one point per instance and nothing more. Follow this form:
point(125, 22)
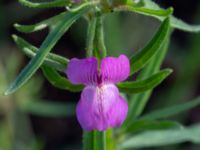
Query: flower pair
point(101, 106)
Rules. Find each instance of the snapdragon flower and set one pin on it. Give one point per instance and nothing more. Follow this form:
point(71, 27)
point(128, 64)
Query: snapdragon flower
point(101, 106)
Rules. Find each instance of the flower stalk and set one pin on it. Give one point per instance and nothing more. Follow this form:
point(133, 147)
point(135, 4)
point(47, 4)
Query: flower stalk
point(100, 50)
point(90, 36)
point(95, 47)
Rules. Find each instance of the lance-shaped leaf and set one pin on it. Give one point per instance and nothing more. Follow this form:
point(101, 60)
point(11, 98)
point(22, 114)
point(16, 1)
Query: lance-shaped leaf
point(49, 108)
point(145, 84)
point(138, 101)
point(162, 137)
point(48, 4)
point(171, 111)
point(52, 38)
point(59, 81)
point(143, 125)
point(51, 22)
point(175, 22)
point(142, 57)
point(57, 62)
point(146, 11)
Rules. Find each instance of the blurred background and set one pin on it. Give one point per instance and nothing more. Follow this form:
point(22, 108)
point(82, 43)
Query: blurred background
point(25, 122)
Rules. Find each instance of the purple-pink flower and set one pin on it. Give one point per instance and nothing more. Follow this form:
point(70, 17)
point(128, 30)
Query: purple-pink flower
point(101, 106)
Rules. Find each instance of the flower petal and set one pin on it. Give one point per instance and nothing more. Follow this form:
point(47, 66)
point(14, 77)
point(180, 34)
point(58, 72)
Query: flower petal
point(82, 71)
point(101, 108)
point(115, 69)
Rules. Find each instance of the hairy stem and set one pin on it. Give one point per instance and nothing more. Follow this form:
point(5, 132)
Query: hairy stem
point(99, 38)
point(91, 36)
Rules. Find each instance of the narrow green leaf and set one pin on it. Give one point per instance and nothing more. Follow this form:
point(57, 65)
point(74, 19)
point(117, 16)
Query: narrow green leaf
point(175, 22)
point(57, 62)
point(59, 81)
point(146, 11)
point(163, 137)
point(143, 125)
point(173, 110)
point(51, 22)
point(142, 57)
point(138, 102)
point(54, 3)
point(50, 109)
point(181, 25)
point(46, 47)
point(145, 84)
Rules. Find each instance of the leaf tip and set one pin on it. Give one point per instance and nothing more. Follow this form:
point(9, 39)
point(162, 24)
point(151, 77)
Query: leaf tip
point(168, 71)
point(17, 26)
point(9, 91)
point(171, 9)
point(14, 37)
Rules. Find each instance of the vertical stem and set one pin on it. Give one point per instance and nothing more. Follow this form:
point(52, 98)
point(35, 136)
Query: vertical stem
point(103, 140)
point(95, 140)
point(91, 36)
point(99, 38)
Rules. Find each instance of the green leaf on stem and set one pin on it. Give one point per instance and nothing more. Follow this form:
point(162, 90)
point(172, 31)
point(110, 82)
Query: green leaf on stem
point(175, 22)
point(162, 137)
point(54, 3)
point(138, 101)
point(52, 38)
point(144, 10)
point(145, 84)
point(59, 81)
point(143, 125)
point(142, 57)
point(171, 111)
point(152, 9)
point(51, 22)
point(50, 109)
point(57, 62)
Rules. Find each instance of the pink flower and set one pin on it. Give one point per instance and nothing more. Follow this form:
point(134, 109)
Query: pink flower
point(100, 106)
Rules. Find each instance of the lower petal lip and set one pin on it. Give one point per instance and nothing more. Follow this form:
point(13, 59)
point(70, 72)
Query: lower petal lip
point(101, 108)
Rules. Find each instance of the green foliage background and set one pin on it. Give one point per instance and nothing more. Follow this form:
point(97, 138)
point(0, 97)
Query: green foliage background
point(124, 33)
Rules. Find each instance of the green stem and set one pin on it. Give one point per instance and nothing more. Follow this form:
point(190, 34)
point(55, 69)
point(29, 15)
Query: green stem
point(91, 36)
point(99, 38)
point(94, 140)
